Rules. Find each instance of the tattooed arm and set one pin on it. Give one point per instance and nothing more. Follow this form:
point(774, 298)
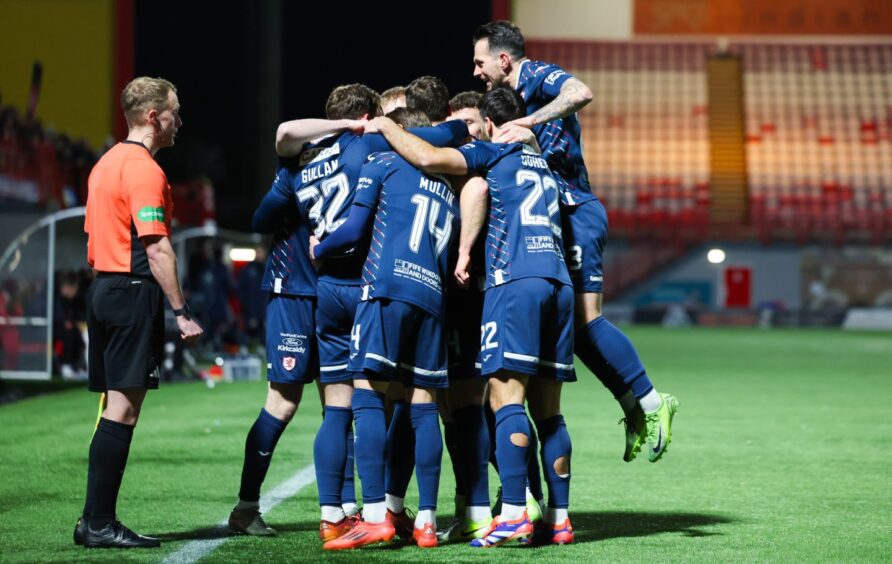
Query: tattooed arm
point(574, 96)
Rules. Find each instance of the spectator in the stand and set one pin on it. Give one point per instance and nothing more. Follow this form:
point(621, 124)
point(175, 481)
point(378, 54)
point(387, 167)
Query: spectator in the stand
point(69, 313)
point(215, 285)
point(58, 165)
point(197, 264)
point(9, 334)
point(253, 298)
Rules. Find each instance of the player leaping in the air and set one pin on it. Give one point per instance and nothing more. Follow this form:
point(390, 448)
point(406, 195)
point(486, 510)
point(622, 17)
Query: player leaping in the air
point(553, 97)
point(526, 334)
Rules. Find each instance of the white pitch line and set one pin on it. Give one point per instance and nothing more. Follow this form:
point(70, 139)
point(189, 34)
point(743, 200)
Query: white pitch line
point(193, 551)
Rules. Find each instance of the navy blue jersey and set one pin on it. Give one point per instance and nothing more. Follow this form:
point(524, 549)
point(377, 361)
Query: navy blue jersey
point(452, 133)
point(288, 269)
point(327, 178)
point(523, 238)
point(561, 139)
point(416, 220)
point(330, 171)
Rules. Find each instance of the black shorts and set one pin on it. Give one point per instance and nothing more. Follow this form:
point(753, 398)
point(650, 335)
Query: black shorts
point(125, 323)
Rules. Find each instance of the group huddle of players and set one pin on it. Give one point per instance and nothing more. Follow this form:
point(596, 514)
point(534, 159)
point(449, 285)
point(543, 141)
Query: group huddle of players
point(441, 261)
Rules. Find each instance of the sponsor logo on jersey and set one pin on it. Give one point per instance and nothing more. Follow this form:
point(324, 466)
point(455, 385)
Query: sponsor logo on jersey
point(292, 344)
point(288, 363)
point(554, 76)
point(318, 153)
point(149, 213)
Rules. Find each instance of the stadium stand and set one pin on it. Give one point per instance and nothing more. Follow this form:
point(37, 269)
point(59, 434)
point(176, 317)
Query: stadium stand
point(818, 123)
point(645, 134)
point(646, 144)
point(40, 168)
point(818, 140)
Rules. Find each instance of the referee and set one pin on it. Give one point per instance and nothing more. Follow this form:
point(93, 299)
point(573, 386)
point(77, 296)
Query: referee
point(128, 223)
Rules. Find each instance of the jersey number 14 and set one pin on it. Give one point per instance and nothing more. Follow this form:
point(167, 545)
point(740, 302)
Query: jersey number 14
point(426, 213)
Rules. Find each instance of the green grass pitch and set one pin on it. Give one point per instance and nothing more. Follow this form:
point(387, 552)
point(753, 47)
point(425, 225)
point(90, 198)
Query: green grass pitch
point(778, 454)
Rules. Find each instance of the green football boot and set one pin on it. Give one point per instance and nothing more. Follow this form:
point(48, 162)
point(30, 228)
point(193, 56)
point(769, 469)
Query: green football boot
point(464, 529)
point(534, 510)
point(636, 433)
point(659, 427)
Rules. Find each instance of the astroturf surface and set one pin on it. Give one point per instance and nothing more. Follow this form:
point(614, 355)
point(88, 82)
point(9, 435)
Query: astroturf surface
point(778, 454)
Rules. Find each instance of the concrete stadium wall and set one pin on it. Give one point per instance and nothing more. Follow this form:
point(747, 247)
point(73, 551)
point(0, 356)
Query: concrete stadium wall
point(777, 273)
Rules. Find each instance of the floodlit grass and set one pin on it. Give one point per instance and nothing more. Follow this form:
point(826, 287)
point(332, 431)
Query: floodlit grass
point(778, 453)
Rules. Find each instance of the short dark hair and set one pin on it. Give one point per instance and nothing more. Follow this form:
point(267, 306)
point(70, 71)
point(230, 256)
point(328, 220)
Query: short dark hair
point(409, 117)
point(352, 101)
point(462, 100)
point(430, 95)
point(501, 105)
point(503, 36)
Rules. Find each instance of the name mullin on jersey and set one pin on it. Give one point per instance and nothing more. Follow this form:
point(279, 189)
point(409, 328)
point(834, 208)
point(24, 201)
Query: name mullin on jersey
point(409, 270)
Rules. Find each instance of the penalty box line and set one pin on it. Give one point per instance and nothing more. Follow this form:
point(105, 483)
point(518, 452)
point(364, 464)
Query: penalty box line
point(193, 551)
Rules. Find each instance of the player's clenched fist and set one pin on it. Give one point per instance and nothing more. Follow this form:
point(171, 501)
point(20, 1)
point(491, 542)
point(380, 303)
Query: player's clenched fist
point(462, 276)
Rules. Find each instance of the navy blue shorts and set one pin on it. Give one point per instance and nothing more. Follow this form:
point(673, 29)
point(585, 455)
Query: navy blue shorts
point(335, 309)
point(291, 354)
point(528, 328)
point(585, 233)
point(396, 341)
point(464, 311)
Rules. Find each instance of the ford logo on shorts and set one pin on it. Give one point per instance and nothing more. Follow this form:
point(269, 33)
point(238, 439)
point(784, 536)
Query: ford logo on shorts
point(292, 342)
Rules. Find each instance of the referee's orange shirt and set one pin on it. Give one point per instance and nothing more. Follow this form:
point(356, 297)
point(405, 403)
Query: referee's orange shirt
point(128, 197)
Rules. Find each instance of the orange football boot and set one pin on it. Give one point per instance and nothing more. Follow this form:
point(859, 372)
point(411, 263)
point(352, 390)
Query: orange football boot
point(425, 537)
point(362, 534)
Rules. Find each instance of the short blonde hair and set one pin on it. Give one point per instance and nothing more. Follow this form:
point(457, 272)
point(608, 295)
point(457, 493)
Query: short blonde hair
point(145, 93)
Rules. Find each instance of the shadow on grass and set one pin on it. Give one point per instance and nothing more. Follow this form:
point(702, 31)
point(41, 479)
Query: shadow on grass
point(588, 526)
point(591, 526)
point(222, 531)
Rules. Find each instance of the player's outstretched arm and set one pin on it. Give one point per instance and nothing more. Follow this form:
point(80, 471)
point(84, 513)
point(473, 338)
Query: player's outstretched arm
point(291, 135)
point(574, 96)
point(163, 264)
point(417, 151)
point(473, 202)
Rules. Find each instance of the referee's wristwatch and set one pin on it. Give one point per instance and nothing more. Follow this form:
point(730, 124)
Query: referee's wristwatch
point(183, 311)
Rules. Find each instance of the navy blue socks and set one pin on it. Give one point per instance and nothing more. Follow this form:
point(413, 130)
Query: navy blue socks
point(556, 452)
point(513, 432)
point(607, 352)
point(330, 454)
point(400, 451)
point(473, 453)
point(428, 452)
point(371, 441)
point(348, 490)
point(259, 447)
